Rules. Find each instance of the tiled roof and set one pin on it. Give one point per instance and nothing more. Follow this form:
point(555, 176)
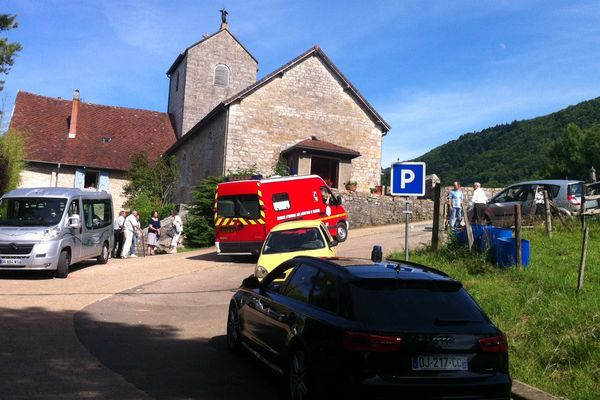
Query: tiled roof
point(322, 146)
point(106, 137)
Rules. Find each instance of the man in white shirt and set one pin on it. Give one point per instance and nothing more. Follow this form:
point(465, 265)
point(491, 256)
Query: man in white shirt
point(479, 201)
point(118, 231)
point(129, 228)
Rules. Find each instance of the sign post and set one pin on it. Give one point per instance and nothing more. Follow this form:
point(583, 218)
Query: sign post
point(407, 179)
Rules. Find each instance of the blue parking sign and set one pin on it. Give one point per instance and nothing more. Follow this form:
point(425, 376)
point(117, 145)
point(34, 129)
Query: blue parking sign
point(408, 179)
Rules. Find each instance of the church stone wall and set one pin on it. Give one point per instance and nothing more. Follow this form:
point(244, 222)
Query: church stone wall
point(201, 156)
point(201, 95)
point(307, 100)
point(177, 96)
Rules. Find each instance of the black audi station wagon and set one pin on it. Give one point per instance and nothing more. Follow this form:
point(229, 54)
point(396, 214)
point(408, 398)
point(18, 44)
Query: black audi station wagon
point(352, 328)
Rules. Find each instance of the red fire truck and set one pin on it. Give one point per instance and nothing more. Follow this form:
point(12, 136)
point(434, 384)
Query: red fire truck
point(246, 211)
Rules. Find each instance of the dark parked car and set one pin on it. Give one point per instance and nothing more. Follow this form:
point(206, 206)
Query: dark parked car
point(352, 328)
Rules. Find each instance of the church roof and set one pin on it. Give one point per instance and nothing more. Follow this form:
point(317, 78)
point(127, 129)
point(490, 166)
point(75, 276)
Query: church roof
point(106, 136)
point(318, 52)
point(313, 51)
point(320, 146)
point(181, 56)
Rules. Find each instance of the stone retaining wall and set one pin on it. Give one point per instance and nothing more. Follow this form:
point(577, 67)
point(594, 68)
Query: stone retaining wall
point(366, 209)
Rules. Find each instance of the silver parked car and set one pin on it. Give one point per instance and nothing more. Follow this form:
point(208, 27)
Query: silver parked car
point(565, 195)
point(52, 228)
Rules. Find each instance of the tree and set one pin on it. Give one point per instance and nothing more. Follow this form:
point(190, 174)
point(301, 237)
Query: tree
point(575, 152)
point(200, 225)
point(12, 153)
point(8, 51)
point(151, 185)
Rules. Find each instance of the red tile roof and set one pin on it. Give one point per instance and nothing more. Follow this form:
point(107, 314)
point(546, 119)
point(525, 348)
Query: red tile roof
point(106, 137)
point(322, 146)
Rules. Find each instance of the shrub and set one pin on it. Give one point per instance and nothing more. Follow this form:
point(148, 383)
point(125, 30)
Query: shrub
point(200, 225)
point(12, 153)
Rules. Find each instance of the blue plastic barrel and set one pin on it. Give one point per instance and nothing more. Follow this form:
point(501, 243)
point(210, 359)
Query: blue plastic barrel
point(485, 241)
point(506, 252)
point(461, 237)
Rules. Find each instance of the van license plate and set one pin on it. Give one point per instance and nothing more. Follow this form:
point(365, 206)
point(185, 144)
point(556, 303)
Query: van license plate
point(9, 261)
point(440, 363)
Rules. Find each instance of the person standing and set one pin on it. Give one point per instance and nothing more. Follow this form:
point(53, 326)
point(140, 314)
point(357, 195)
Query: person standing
point(118, 233)
point(540, 204)
point(479, 200)
point(455, 199)
point(153, 233)
point(129, 228)
point(136, 238)
point(177, 231)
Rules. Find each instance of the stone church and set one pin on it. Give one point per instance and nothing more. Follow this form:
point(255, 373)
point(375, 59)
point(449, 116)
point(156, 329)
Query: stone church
point(306, 113)
point(219, 119)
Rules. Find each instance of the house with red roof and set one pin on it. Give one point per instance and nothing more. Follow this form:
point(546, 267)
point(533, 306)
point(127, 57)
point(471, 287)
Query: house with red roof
point(70, 143)
point(220, 119)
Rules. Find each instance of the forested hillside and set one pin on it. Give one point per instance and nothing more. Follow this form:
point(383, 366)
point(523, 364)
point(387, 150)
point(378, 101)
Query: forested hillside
point(511, 152)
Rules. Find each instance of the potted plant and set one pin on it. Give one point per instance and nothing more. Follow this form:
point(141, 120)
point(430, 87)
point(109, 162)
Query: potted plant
point(351, 186)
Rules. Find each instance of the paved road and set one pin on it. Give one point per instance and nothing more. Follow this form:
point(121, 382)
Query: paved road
point(139, 328)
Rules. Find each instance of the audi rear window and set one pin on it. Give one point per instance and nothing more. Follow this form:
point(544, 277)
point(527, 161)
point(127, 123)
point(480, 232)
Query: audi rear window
point(413, 305)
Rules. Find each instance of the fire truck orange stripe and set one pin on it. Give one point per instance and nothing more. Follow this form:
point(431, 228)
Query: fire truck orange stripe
point(333, 217)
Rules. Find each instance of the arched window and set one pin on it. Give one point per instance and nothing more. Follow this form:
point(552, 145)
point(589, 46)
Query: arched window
point(222, 75)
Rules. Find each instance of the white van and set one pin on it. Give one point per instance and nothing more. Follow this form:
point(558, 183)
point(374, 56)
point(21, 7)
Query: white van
point(52, 228)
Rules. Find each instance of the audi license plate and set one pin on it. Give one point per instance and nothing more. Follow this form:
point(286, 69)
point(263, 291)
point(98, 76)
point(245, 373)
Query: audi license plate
point(9, 261)
point(440, 363)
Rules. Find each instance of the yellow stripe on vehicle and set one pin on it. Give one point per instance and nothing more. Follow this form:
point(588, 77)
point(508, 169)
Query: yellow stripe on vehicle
point(243, 221)
point(225, 221)
point(261, 203)
point(333, 217)
point(252, 222)
point(219, 221)
point(259, 193)
point(262, 214)
point(261, 221)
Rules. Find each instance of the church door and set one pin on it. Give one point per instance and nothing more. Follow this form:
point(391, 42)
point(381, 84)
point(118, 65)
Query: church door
point(326, 168)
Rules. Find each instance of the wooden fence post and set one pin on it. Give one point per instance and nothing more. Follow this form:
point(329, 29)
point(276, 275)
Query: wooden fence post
point(438, 215)
point(586, 234)
point(467, 226)
point(518, 223)
point(547, 214)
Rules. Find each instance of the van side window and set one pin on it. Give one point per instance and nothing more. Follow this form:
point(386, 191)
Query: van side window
point(327, 196)
point(73, 208)
point(281, 202)
point(97, 213)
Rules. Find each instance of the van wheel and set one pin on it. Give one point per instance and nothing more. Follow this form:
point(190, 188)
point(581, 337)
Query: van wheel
point(103, 257)
point(342, 232)
point(64, 261)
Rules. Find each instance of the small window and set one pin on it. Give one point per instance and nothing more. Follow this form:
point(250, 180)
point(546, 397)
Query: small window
point(281, 201)
point(324, 294)
point(301, 283)
point(97, 213)
point(222, 75)
point(91, 179)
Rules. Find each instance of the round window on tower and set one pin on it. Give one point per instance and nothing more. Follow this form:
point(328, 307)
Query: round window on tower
point(222, 75)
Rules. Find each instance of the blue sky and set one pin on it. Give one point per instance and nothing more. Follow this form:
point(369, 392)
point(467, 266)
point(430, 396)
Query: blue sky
point(433, 69)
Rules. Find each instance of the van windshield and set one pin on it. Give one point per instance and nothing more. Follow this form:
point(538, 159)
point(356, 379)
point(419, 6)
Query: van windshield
point(240, 206)
point(31, 211)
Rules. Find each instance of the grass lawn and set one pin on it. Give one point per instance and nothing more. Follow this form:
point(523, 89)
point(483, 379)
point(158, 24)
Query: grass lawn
point(554, 333)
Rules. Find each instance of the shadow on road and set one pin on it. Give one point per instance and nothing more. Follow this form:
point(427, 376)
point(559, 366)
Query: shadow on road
point(39, 275)
point(242, 259)
point(166, 367)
